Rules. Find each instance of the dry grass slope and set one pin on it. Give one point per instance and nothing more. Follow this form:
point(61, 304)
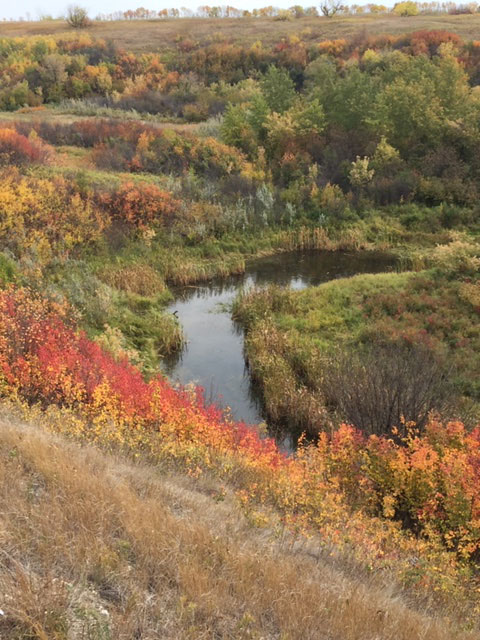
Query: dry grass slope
point(156, 35)
point(94, 546)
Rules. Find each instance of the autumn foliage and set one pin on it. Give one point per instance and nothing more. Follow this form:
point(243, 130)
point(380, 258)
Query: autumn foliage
point(139, 205)
point(135, 147)
point(46, 218)
point(314, 134)
point(429, 483)
point(167, 152)
point(52, 218)
point(45, 360)
point(16, 149)
point(74, 68)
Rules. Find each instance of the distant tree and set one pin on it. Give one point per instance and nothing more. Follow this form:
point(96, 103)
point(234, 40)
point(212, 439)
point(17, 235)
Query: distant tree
point(238, 130)
point(257, 115)
point(377, 8)
point(360, 172)
point(386, 161)
point(330, 7)
point(77, 17)
point(52, 75)
point(234, 129)
point(321, 75)
point(406, 9)
point(283, 15)
point(52, 69)
point(278, 89)
point(309, 118)
point(267, 12)
point(297, 10)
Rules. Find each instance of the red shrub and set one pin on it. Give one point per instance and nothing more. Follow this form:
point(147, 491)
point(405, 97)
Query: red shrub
point(427, 42)
point(16, 149)
point(45, 360)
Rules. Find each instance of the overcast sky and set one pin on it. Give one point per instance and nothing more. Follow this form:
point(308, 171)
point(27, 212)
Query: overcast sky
point(36, 8)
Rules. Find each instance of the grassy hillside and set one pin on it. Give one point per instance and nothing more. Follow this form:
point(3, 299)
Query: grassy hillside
point(158, 35)
point(96, 546)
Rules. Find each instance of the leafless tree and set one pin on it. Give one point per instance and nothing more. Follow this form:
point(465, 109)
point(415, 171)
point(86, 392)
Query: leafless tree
point(383, 386)
point(330, 7)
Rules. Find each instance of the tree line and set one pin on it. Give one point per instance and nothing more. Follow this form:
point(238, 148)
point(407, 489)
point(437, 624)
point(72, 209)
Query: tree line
point(77, 16)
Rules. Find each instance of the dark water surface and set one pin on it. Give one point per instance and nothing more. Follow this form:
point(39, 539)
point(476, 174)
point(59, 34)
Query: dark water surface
point(213, 356)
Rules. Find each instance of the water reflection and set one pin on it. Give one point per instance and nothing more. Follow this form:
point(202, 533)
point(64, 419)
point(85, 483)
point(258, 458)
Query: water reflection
point(213, 355)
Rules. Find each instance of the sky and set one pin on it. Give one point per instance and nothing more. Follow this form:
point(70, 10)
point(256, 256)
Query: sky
point(37, 8)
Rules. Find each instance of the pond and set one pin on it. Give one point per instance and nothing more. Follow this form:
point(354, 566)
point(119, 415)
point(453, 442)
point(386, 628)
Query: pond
point(213, 355)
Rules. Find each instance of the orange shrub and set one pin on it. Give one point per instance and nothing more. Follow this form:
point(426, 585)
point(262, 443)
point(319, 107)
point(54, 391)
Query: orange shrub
point(140, 205)
point(427, 42)
point(332, 47)
point(429, 482)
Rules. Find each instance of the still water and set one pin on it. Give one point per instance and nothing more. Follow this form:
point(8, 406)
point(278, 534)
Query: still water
point(213, 355)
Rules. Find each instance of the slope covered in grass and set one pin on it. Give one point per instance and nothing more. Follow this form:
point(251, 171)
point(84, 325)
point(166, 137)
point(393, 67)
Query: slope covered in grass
point(98, 546)
point(159, 35)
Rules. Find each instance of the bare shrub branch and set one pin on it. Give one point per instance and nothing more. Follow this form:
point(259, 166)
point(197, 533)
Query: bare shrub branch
point(383, 386)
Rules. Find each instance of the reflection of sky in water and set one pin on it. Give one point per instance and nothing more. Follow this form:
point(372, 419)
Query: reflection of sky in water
point(297, 283)
point(213, 356)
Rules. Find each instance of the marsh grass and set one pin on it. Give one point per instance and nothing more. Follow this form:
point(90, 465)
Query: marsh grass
point(90, 108)
point(140, 279)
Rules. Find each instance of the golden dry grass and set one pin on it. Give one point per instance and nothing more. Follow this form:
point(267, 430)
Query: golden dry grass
point(58, 115)
point(95, 546)
point(156, 35)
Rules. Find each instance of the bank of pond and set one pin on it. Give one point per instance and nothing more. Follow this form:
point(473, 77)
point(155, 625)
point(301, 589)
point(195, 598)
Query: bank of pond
point(378, 348)
point(213, 355)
